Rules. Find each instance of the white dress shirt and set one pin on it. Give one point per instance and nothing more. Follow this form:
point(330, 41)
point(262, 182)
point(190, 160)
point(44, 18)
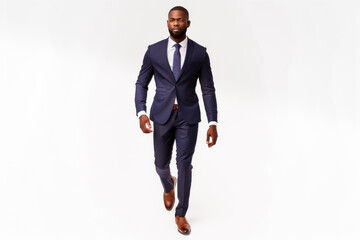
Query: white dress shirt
point(171, 51)
point(170, 55)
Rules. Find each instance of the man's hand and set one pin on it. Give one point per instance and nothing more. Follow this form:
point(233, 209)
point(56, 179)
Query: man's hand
point(144, 120)
point(212, 132)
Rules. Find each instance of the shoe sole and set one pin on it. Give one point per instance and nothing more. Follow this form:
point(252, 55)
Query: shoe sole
point(184, 233)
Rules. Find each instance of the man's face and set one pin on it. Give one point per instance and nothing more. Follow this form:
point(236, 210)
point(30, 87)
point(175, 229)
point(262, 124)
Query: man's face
point(177, 23)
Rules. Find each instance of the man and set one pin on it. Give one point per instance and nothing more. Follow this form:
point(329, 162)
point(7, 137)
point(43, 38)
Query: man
point(176, 63)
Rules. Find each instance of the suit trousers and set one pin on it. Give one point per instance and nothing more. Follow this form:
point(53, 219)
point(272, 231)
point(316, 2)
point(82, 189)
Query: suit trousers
point(185, 136)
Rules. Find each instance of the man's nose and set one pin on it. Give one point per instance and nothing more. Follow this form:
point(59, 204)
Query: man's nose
point(176, 23)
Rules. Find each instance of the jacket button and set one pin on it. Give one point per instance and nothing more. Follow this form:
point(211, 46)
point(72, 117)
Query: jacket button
point(176, 85)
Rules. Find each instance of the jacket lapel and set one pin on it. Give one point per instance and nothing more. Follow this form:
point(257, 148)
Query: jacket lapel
point(165, 57)
point(189, 53)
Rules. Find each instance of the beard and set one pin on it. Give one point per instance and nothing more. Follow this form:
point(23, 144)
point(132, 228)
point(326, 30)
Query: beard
point(178, 35)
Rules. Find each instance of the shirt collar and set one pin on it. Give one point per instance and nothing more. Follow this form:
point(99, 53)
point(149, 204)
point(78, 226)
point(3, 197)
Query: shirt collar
point(183, 43)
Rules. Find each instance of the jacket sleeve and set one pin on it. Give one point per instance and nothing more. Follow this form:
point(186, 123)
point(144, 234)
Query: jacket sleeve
point(144, 78)
point(208, 89)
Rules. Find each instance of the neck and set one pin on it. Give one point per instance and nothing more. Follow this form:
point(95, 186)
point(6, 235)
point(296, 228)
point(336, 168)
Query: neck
point(178, 40)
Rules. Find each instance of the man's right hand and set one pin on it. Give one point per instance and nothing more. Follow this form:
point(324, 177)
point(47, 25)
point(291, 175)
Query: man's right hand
point(144, 120)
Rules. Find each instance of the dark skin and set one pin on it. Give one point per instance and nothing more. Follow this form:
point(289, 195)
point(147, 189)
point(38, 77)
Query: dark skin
point(177, 24)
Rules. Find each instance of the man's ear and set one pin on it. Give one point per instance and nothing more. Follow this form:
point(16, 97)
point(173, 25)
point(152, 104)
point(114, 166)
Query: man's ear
point(188, 23)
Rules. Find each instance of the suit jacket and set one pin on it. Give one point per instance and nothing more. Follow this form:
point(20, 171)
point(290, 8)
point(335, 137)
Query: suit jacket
point(196, 66)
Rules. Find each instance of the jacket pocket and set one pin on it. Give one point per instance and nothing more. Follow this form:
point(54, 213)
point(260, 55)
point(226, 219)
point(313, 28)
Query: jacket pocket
point(158, 97)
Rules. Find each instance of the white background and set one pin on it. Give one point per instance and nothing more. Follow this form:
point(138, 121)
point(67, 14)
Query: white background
point(75, 165)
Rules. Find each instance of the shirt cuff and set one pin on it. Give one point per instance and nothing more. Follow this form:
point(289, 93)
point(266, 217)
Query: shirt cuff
point(212, 123)
point(141, 113)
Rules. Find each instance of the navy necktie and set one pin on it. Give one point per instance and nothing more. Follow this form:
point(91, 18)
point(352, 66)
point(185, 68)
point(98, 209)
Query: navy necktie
point(176, 62)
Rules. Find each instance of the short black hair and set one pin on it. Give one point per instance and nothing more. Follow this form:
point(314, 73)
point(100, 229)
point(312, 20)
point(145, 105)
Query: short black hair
point(181, 9)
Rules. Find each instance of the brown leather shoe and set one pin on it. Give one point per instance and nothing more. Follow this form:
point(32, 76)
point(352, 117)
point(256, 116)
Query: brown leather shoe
point(183, 225)
point(169, 198)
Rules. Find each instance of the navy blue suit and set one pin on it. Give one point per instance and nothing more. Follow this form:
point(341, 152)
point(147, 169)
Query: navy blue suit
point(180, 125)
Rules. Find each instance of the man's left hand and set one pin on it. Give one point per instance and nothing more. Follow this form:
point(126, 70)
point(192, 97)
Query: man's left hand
point(212, 132)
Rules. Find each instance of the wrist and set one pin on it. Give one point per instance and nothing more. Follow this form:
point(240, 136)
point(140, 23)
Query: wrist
point(212, 123)
point(141, 113)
